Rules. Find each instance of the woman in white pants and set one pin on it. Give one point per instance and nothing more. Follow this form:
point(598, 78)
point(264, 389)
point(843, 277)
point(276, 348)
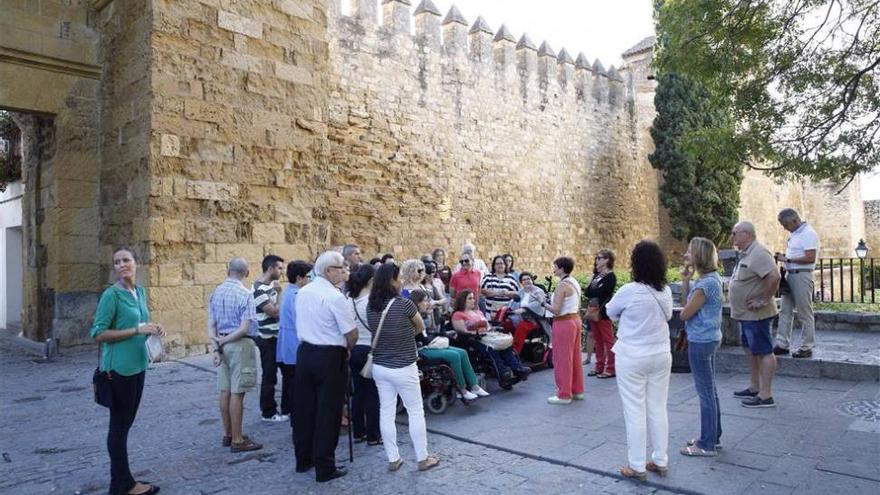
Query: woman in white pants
point(643, 307)
point(394, 322)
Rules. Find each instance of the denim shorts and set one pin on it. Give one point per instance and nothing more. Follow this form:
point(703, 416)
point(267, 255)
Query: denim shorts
point(756, 336)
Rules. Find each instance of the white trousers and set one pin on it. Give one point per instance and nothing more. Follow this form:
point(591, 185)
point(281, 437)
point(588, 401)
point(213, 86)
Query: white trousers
point(643, 383)
point(392, 382)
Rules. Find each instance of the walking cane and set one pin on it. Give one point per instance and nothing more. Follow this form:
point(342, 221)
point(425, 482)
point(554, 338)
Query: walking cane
point(350, 424)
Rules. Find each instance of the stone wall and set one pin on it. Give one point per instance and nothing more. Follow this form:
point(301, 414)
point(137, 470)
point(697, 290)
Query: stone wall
point(872, 227)
point(49, 72)
point(238, 148)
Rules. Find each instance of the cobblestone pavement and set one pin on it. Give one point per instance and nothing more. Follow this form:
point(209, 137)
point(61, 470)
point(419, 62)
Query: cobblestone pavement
point(52, 439)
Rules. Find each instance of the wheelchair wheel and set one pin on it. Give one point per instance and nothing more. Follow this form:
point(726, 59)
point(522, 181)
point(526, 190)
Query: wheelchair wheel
point(437, 402)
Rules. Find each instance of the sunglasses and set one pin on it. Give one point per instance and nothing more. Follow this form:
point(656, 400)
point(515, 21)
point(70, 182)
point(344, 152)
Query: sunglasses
point(463, 262)
point(421, 270)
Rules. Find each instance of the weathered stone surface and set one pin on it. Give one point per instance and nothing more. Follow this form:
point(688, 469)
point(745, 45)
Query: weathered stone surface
point(239, 24)
point(171, 298)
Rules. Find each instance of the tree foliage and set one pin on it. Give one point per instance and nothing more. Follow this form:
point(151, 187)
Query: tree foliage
point(701, 187)
point(799, 77)
point(10, 162)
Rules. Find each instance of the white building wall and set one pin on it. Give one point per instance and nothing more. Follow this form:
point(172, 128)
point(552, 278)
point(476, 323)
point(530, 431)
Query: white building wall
point(10, 262)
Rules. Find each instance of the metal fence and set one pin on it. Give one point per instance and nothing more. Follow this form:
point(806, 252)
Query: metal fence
point(847, 280)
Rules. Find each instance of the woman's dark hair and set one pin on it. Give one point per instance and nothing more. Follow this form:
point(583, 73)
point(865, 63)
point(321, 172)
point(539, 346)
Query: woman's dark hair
point(648, 264)
point(526, 274)
point(383, 287)
point(375, 260)
point(386, 257)
point(430, 267)
point(418, 296)
point(565, 263)
point(495, 259)
point(508, 255)
point(461, 300)
point(359, 279)
point(298, 268)
point(128, 250)
point(608, 255)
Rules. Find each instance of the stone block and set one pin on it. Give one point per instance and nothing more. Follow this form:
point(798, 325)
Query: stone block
point(239, 24)
point(77, 221)
point(253, 253)
point(293, 73)
point(214, 191)
point(211, 151)
point(290, 252)
point(79, 277)
point(268, 233)
point(294, 8)
point(77, 305)
point(170, 275)
point(238, 60)
point(209, 274)
point(76, 193)
point(177, 323)
point(174, 230)
point(207, 111)
point(170, 145)
point(77, 249)
point(71, 331)
point(176, 298)
point(147, 229)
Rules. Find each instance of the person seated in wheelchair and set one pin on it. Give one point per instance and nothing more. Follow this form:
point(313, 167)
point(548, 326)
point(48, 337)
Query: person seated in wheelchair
point(471, 325)
point(433, 344)
point(528, 307)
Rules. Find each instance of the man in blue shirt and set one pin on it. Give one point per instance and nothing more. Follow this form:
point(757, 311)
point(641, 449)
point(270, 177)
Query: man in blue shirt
point(288, 340)
point(231, 329)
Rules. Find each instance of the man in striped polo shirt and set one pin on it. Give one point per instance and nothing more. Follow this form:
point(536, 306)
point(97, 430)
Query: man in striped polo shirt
point(267, 303)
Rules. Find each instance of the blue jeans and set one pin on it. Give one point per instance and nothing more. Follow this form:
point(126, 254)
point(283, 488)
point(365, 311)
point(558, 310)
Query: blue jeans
point(701, 356)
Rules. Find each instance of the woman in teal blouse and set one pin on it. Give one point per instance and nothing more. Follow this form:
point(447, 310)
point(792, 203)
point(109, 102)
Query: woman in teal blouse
point(122, 325)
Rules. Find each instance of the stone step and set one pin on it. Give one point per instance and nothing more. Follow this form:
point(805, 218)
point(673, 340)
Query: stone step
point(839, 355)
point(847, 321)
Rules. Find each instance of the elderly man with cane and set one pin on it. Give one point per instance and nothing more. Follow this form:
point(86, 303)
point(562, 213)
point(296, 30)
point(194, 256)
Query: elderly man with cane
point(326, 329)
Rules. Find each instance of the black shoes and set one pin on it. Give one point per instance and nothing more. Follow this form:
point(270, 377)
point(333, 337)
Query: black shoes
point(303, 468)
point(742, 394)
point(780, 351)
point(338, 473)
point(758, 402)
point(803, 353)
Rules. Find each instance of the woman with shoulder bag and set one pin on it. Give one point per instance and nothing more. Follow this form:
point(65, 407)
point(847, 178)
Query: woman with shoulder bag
point(599, 292)
point(394, 322)
point(122, 325)
point(365, 399)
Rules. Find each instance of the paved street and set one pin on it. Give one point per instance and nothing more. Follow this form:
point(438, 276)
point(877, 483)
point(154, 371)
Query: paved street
point(52, 439)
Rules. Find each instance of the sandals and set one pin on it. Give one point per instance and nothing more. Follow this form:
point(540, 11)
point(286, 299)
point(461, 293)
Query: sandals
point(695, 451)
point(592, 373)
point(373, 443)
point(652, 466)
point(628, 472)
point(246, 445)
point(428, 462)
point(394, 466)
point(605, 375)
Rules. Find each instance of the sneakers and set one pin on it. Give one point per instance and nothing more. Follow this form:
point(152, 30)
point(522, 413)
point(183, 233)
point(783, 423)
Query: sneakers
point(468, 395)
point(803, 353)
point(780, 351)
point(758, 402)
point(745, 393)
point(277, 418)
point(479, 391)
point(577, 396)
point(557, 400)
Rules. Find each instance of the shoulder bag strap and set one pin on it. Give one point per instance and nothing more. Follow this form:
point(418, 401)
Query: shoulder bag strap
point(381, 321)
point(356, 314)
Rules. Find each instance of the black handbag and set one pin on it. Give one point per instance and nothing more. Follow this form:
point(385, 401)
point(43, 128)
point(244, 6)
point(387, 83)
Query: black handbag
point(101, 386)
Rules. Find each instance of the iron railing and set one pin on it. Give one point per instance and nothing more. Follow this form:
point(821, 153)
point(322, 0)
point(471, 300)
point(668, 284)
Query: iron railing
point(847, 280)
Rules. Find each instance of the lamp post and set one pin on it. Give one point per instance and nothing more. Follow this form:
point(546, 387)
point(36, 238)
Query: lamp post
point(862, 252)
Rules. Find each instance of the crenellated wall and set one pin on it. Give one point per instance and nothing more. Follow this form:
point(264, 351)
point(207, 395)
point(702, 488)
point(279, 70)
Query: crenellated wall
point(460, 132)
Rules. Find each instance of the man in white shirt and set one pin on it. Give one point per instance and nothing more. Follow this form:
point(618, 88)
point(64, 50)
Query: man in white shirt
point(800, 261)
point(326, 330)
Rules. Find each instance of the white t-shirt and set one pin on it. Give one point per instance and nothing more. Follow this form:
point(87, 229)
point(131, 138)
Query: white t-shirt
point(643, 314)
point(802, 240)
point(365, 337)
point(323, 314)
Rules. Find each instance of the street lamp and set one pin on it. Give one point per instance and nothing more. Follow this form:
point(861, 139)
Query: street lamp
point(861, 252)
point(861, 249)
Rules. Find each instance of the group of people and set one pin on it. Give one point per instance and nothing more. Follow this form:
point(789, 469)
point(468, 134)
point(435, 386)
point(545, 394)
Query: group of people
point(340, 317)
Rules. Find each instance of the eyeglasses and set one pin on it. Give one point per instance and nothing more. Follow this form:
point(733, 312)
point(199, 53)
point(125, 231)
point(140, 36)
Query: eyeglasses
point(600, 258)
point(421, 270)
point(340, 267)
point(464, 262)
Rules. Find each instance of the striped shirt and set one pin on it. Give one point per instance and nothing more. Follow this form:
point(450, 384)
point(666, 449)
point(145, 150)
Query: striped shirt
point(265, 294)
point(396, 347)
point(496, 282)
point(231, 304)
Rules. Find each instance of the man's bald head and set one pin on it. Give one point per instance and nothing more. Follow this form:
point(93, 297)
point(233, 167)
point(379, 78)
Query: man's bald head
point(238, 268)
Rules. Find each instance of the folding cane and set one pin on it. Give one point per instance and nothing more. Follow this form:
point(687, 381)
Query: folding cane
point(350, 419)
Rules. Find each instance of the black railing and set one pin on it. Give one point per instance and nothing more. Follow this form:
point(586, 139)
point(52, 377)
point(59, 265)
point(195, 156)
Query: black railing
point(848, 280)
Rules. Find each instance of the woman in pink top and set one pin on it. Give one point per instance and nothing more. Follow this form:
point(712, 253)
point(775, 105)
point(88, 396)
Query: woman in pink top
point(470, 324)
